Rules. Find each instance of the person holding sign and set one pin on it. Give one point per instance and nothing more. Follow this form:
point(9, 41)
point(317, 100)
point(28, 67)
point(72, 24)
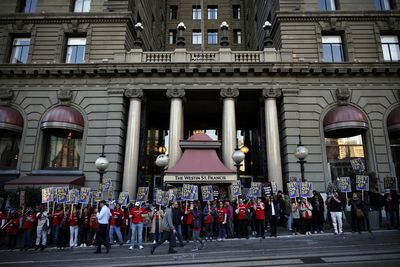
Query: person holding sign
point(156, 219)
point(116, 221)
point(28, 224)
point(357, 213)
point(42, 228)
point(209, 213)
point(136, 214)
point(84, 226)
point(241, 210)
point(73, 228)
point(295, 208)
point(306, 216)
point(221, 219)
point(335, 205)
point(317, 203)
point(196, 227)
point(58, 215)
point(260, 218)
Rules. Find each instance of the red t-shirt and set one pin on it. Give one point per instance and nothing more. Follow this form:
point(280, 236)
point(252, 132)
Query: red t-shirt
point(12, 228)
point(137, 215)
point(242, 211)
point(260, 215)
point(29, 222)
point(208, 219)
point(114, 216)
point(93, 221)
point(85, 222)
point(187, 218)
point(221, 214)
point(57, 217)
point(73, 220)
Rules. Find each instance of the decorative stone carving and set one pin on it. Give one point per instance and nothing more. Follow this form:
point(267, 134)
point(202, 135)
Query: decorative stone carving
point(271, 93)
point(64, 95)
point(342, 94)
point(134, 93)
point(175, 93)
point(6, 96)
point(229, 93)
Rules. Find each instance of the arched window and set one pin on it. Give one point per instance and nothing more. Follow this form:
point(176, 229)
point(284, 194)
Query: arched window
point(11, 126)
point(62, 138)
point(344, 128)
point(393, 125)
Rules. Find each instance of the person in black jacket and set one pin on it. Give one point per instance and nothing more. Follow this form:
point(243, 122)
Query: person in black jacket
point(273, 208)
point(177, 221)
point(317, 203)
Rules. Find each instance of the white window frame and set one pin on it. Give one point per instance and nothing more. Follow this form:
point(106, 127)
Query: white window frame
point(75, 43)
point(214, 37)
point(197, 38)
point(20, 50)
point(332, 40)
point(82, 6)
point(196, 12)
point(390, 48)
point(212, 12)
point(331, 2)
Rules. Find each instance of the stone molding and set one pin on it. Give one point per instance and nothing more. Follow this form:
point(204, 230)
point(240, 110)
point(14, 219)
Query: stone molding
point(64, 96)
point(6, 95)
point(229, 92)
point(175, 93)
point(134, 93)
point(342, 95)
point(271, 93)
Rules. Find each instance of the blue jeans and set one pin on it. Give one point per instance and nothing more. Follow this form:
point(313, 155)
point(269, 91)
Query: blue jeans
point(27, 238)
point(139, 228)
point(179, 233)
point(117, 230)
point(221, 230)
point(56, 232)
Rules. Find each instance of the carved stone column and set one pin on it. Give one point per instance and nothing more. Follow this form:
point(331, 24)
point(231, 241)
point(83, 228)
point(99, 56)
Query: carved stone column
point(229, 141)
point(272, 136)
point(129, 182)
point(175, 125)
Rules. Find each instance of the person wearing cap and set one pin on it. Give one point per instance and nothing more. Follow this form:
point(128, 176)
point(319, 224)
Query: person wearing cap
point(136, 214)
point(101, 235)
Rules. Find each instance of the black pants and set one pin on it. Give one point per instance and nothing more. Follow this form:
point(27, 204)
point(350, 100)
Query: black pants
point(208, 230)
point(260, 228)
point(318, 221)
point(101, 236)
point(167, 235)
point(272, 224)
point(242, 229)
point(12, 241)
point(296, 226)
point(356, 222)
point(83, 235)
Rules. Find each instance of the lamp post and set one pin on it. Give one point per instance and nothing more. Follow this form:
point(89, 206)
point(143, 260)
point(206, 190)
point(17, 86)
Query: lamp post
point(138, 43)
point(180, 42)
point(101, 164)
point(267, 39)
point(224, 39)
point(301, 153)
point(161, 162)
point(238, 157)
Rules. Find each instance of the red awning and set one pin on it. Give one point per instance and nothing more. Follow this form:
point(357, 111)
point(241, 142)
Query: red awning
point(393, 120)
point(63, 117)
point(11, 119)
point(44, 181)
point(344, 121)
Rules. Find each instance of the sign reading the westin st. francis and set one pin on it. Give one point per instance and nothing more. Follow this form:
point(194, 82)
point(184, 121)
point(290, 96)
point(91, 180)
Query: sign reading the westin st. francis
point(216, 178)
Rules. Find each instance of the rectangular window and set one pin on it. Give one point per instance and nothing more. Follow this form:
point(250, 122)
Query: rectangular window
point(237, 36)
point(212, 37)
point(82, 6)
point(332, 48)
point(172, 37)
point(212, 12)
point(27, 6)
point(173, 12)
point(75, 50)
point(196, 12)
point(383, 5)
point(327, 5)
point(20, 50)
point(236, 11)
point(196, 37)
point(390, 48)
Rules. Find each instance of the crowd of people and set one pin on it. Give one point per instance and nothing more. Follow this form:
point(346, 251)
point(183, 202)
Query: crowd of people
point(201, 222)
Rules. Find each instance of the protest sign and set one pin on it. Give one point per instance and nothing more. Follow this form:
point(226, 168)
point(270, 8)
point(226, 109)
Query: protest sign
point(236, 188)
point(207, 193)
point(142, 194)
point(362, 182)
point(84, 196)
point(344, 184)
point(62, 194)
point(123, 198)
point(293, 189)
point(306, 189)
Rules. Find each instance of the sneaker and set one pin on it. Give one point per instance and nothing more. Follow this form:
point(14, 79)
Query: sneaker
point(315, 232)
point(335, 233)
point(141, 247)
point(341, 232)
point(195, 249)
point(154, 242)
point(130, 248)
point(84, 245)
point(81, 246)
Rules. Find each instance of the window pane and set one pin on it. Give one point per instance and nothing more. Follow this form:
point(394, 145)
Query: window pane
point(395, 52)
point(20, 50)
point(213, 37)
point(389, 39)
point(322, 5)
point(80, 54)
point(212, 12)
point(331, 39)
point(327, 53)
point(9, 149)
point(86, 6)
point(337, 53)
point(196, 12)
point(30, 6)
point(331, 5)
point(196, 38)
point(386, 53)
point(76, 41)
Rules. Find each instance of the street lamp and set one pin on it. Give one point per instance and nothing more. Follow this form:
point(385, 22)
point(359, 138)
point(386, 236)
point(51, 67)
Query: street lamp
point(161, 162)
point(267, 39)
point(224, 39)
point(102, 164)
point(180, 42)
point(138, 43)
point(238, 157)
point(301, 153)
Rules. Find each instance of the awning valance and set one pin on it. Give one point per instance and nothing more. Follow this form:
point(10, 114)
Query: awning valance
point(44, 181)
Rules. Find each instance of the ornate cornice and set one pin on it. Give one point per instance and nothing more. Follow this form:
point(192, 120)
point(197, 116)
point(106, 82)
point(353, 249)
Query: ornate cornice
point(6, 95)
point(229, 92)
point(342, 95)
point(271, 93)
point(64, 96)
point(134, 93)
point(175, 93)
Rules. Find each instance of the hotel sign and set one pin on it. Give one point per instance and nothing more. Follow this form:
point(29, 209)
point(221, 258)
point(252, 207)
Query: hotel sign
point(209, 178)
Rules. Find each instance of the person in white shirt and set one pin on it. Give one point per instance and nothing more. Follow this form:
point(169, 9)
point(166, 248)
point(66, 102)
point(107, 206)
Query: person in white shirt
point(41, 229)
point(103, 218)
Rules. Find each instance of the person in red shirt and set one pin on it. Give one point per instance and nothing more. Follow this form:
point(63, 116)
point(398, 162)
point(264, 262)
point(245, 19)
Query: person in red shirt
point(12, 230)
point(73, 228)
point(259, 210)
point(187, 220)
point(84, 226)
point(93, 227)
point(28, 224)
point(57, 218)
point(116, 220)
point(136, 214)
point(221, 219)
point(241, 210)
point(208, 213)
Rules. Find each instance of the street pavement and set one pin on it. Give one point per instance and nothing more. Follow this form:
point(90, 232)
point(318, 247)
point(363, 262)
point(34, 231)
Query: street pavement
point(379, 248)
